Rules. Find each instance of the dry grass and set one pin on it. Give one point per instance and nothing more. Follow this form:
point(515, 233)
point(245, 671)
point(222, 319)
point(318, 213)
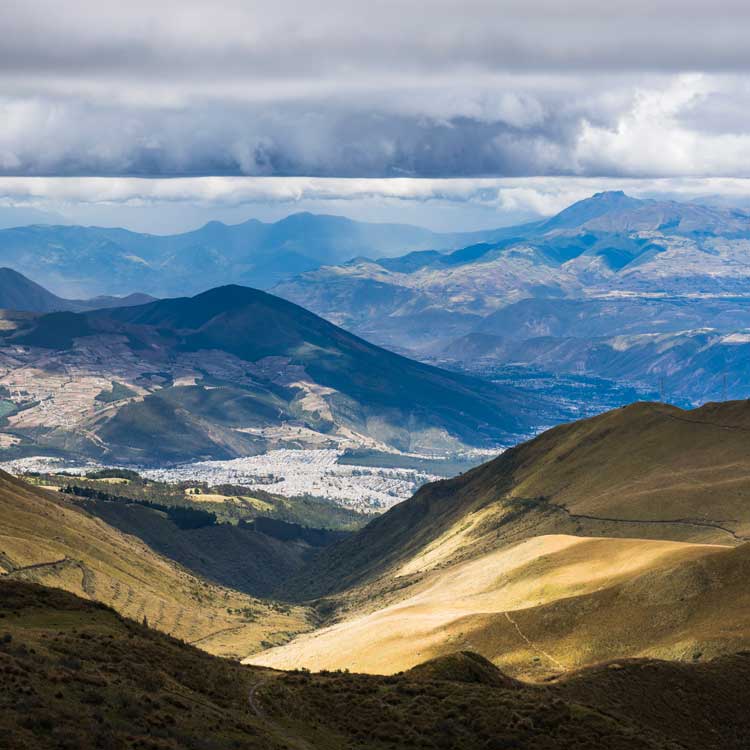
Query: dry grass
point(440, 613)
point(599, 539)
point(45, 539)
point(78, 677)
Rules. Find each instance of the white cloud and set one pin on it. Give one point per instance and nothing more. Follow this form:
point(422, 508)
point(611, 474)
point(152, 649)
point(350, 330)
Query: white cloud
point(431, 88)
point(165, 205)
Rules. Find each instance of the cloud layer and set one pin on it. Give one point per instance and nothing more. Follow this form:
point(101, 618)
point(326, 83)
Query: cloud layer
point(380, 89)
point(178, 204)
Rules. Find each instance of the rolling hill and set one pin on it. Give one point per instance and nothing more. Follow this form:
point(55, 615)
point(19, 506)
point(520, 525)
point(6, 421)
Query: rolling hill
point(46, 539)
point(77, 675)
point(621, 535)
point(213, 376)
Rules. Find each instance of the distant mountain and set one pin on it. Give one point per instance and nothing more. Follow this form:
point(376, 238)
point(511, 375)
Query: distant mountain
point(696, 365)
point(230, 372)
point(19, 293)
point(611, 537)
point(603, 267)
point(96, 260)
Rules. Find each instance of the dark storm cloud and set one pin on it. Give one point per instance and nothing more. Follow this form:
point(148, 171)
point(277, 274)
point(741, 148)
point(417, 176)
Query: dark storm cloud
point(427, 89)
point(247, 37)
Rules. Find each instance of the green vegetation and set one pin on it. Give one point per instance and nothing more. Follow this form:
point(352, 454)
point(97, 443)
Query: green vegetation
point(181, 516)
point(228, 503)
point(77, 676)
point(7, 408)
point(127, 474)
point(117, 393)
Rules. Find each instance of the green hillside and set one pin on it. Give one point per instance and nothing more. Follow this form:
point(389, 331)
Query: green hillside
point(79, 676)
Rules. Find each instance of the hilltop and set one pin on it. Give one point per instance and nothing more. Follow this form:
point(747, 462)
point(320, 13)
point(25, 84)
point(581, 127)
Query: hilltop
point(233, 372)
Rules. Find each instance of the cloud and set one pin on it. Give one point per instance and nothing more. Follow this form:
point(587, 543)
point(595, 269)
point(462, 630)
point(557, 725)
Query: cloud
point(381, 89)
point(498, 200)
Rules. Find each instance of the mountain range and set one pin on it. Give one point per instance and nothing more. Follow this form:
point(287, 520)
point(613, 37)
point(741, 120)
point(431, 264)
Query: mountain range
point(647, 292)
point(232, 372)
point(607, 266)
point(87, 261)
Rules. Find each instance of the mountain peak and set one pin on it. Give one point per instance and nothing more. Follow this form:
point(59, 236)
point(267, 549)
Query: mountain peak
point(592, 208)
point(609, 195)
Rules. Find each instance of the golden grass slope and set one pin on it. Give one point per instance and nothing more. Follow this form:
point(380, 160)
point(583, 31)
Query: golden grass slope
point(477, 605)
point(644, 471)
point(45, 539)
point(648, 462)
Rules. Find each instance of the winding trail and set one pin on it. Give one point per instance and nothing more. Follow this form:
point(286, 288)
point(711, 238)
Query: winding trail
point(37, 566)
point(256, 709)
point(715, 525)
point(533, 646)
point(215, 633)
point(730, 427)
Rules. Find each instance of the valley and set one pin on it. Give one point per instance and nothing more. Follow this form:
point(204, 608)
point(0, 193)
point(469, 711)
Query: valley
point(614, 547)
point(597, 567)
point(554, 556)
point(513, 507)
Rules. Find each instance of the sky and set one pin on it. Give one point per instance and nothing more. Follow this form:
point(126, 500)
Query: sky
point(160, 115)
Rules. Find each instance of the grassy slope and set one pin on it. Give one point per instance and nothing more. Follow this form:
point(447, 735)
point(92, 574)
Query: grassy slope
point(649, 491)
point(45, 539)
point(76, 676)
point(643, 471)
point(231, 555)
point(546, 605)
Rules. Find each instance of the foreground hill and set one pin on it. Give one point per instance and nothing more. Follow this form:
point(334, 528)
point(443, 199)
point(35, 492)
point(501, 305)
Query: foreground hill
point(647, 470)
point(79, 676)
point(45, 539)
point(613, 536)
point(547, 606)
point(216, 375)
